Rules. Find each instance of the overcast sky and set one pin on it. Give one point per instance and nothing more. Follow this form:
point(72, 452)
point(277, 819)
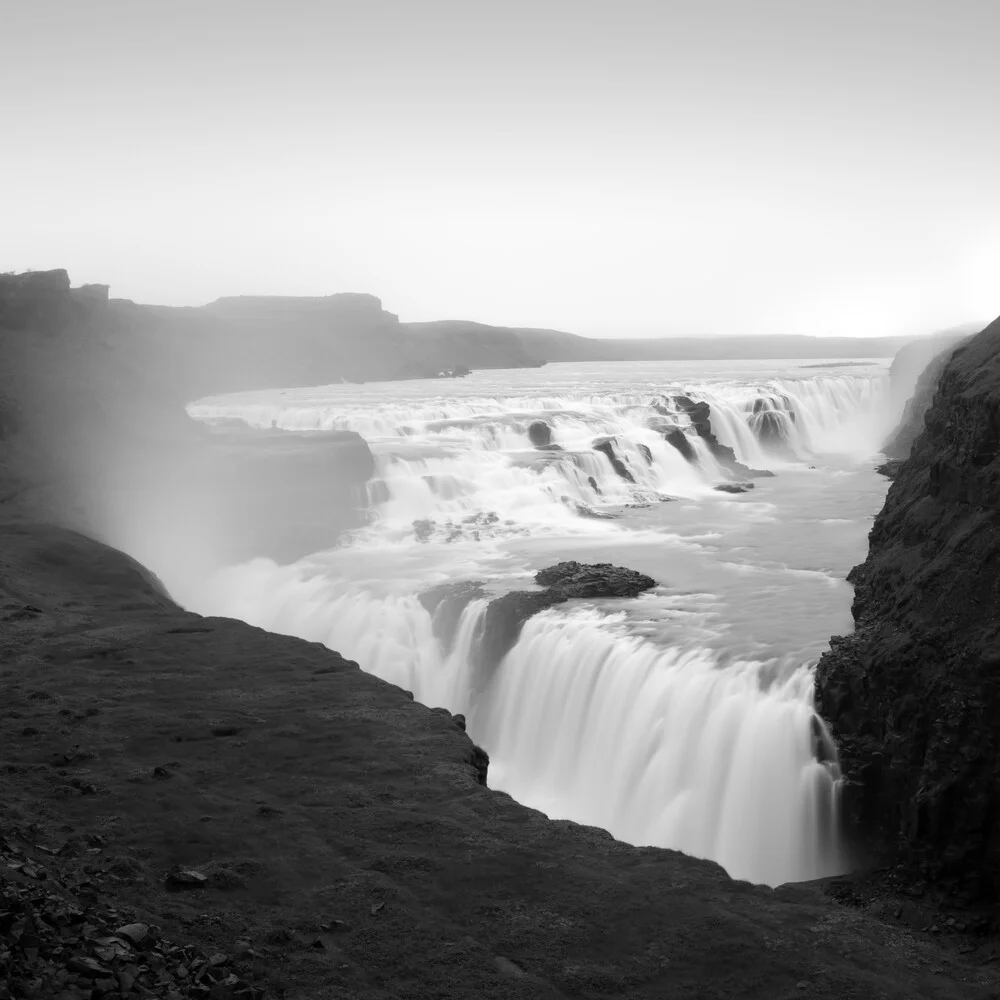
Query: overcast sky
point(609, 167)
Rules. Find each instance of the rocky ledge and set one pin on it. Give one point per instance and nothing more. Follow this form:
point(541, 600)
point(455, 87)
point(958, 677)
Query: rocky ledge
point(336, 838)
point(913, 694)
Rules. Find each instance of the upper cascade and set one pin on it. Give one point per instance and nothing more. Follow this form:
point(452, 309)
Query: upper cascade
point(473, 465)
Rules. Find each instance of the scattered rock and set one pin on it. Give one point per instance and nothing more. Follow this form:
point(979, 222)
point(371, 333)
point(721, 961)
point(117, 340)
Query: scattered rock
point(63, 939)
point(136, 933)
point(734, 487)
point(185, 878)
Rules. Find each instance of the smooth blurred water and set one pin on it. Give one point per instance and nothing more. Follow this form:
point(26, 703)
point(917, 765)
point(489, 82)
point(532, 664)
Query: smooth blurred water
point(682, 718)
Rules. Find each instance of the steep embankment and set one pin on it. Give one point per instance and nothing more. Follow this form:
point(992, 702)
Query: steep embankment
point(914, 694)
point(342, 843)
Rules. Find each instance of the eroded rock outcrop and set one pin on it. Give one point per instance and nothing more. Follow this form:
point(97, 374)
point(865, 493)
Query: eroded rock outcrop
point(700, 414)
point(679, 440)
point(505, 616)
point(913, 694)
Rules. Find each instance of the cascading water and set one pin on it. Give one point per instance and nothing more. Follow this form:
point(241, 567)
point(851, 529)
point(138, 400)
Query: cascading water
point(653, 718)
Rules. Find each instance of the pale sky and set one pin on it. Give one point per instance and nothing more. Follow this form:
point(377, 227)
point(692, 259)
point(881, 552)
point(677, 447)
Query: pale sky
point(612, 168)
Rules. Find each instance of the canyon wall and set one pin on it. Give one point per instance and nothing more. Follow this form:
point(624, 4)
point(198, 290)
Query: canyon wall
point(913, 694)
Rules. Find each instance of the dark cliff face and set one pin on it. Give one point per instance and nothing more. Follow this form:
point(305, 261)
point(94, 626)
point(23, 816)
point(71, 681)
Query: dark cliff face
point(928, 358)
point(913, 696)
point(94, 435)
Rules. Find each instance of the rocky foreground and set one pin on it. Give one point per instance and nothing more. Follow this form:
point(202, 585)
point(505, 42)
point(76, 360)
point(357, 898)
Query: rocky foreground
point(337, 836)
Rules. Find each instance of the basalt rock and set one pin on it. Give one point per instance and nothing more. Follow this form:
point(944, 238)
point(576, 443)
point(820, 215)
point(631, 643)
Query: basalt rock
point(445, 604)
point(913, 695)
point(540, 434)
point(700, 414)
point(575, 579)
point(506, 615)
point(676, 437)
point(607, 447)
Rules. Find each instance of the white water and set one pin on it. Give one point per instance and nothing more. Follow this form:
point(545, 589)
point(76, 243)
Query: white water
point(683, 718)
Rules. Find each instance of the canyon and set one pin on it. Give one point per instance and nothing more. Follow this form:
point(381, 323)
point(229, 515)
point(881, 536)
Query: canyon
point(346, 843)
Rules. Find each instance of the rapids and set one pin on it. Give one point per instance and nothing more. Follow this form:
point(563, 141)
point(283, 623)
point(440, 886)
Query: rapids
point(683, 718)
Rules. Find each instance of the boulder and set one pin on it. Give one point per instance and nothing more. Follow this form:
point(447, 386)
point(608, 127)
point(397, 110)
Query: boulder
point(733, 487)
point(505, 616)
point(540, 434)
point(575, 579)
point(889, 468)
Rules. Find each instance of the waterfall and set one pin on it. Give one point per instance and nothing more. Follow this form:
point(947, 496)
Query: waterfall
point(588, 717)
point(451, 461)
point(662, 747)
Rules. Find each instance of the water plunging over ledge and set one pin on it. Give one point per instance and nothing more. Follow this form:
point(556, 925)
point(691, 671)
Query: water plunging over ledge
point(683, 718)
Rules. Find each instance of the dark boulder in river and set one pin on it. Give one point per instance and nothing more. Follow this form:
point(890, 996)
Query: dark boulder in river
point(506, 615)
point(575, 579)
point(540, 434)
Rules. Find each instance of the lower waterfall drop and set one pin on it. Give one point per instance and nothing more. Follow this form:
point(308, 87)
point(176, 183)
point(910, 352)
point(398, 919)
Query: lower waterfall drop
point(663, 747)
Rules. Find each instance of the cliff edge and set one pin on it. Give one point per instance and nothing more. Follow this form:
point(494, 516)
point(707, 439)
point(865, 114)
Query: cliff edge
point(913, 694)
